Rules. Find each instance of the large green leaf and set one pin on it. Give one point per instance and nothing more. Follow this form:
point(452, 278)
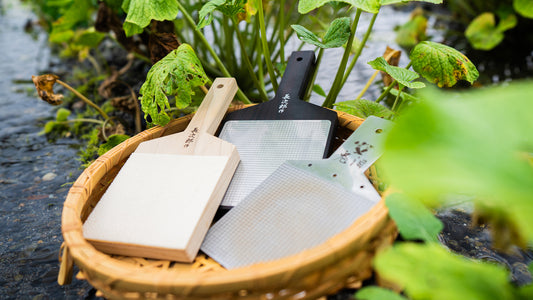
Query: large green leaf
point(414, 220)
point(483, 34)
point(336, 35)
point(227, 7)
point(402, 75)
point(476, 143)
point(372, 6)
point(141, 12)
point(524, 7)
point(430, 272)
point(441, 64)
point(363, 108)
point(177, 74)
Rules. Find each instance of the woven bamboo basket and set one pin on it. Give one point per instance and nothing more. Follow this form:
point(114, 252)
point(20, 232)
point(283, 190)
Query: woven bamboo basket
point(342, 261)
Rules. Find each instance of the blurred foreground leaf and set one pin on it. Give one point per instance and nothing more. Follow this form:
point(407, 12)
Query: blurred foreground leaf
point(428, 271)
point(483, 34)
point(476, 143)
point(414, 220)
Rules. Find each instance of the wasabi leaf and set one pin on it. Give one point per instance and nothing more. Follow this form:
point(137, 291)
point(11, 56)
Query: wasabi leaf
point(62, 114)
point(336, 35)
point(229, 8)
point(441, 64)
point(377, 293)
point(414, 220)
point(141, 12)
point(363, 108)
point(524, 7)
point(176, 75)
point(428, 271)
point(477, 144)
point(402, 75)
point(372, 6)
point(412, 32)
point(483, 34)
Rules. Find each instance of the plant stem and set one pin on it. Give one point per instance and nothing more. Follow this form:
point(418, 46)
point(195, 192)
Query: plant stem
point(81, 120)
point(313, 78)
point(86, 100)
point(397, 98)
point(359, 49)
point(204, 41)
point(282, 31)
point(335, 88)
point(266, 51)
point(386, 91)
point(247, 62)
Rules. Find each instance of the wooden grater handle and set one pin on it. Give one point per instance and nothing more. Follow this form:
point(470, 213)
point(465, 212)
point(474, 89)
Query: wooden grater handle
point(214, 106)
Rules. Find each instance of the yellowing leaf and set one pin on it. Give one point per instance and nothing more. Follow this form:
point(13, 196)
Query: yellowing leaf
point(524, 7)
point(176, 75)
point(45, 88)
point(441, 64)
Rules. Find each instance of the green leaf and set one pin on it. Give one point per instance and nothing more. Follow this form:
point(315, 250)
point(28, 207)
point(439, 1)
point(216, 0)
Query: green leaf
point(483, 34)
point(49, 127)
point(524, 7)
point(431, 272)
point(363, 108)
point(404, 96)
point(62, 114)
point(412, 32)
point(337, 34)
point(377, 293)
point(414, 220)
point(402, 75)
point(112, 141)
point(475, 143)
point(441, 64)
point(141, 12)
point(307, 36)
point(177, 74)
point(90, 38)
point(319, 90)
point(372, 6)
point(227, 7)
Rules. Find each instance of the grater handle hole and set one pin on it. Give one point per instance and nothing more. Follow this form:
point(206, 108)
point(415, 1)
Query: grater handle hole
point(220, 86)
point(299, 59)
point(379, 130)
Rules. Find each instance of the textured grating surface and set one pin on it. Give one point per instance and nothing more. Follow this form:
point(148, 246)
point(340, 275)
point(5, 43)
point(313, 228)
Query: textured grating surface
point(291, 211)
point(263, 145)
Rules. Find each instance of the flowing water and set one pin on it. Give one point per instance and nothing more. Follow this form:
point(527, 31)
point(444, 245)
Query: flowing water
point(35, 173)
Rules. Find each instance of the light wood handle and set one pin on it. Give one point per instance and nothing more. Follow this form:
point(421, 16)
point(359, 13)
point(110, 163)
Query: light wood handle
point(210, 113)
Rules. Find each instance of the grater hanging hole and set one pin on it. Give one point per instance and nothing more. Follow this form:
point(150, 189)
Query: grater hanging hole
point(362, 187)
point(220, 86)
point(379, 130)
point(299, 59)
point(334, 175)
point(309, 165)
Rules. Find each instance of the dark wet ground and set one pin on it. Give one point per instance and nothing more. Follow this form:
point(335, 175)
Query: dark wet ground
point(35, 173)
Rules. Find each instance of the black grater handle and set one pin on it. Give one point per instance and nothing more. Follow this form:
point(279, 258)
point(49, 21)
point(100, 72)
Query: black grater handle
point(295, 80)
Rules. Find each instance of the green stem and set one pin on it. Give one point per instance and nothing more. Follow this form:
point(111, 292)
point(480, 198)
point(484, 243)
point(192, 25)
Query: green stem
point(386, 91)
point(264, 42)
point(359, 49)
point(81, 120)
point(247, 62)
point(242, 97)
point(282, 31)
point(313, 78)
point(397, 98)
point(335, 88)
point(86, 100)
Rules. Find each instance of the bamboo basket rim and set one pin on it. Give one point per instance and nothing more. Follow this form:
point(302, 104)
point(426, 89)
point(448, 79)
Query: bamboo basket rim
point(255, 276)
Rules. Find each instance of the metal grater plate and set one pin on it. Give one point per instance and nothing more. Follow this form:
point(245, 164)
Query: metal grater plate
point(291, 211)
point(264, 145)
